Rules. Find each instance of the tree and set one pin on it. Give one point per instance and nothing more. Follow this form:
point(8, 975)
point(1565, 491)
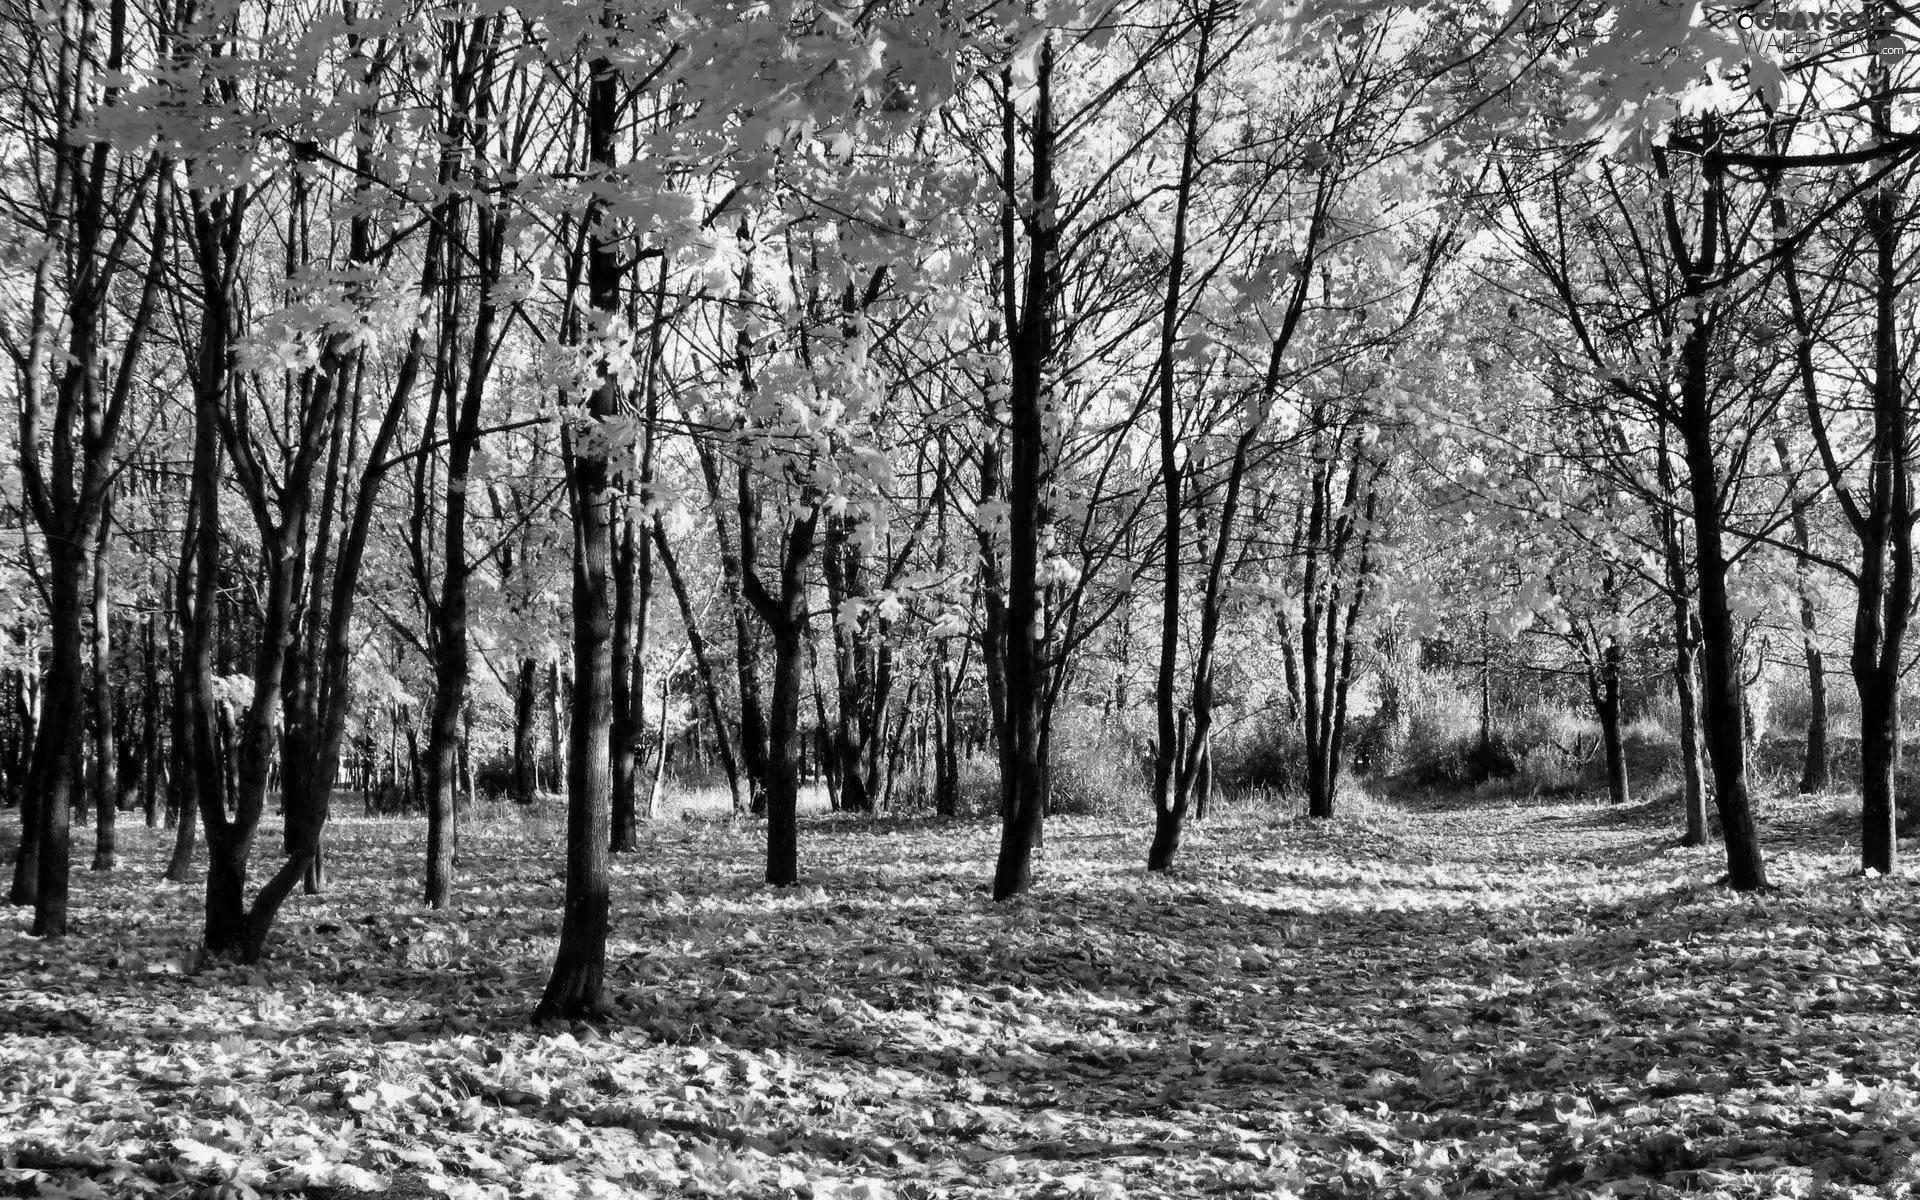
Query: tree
point(74, 391)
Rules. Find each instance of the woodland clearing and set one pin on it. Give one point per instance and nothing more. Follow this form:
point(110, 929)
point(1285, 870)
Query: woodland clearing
point(1452, 997)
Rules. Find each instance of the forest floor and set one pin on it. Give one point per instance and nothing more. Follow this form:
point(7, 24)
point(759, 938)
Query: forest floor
point(1437, 998)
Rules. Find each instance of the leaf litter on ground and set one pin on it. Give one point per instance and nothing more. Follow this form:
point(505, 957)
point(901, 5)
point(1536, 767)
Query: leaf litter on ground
point(1436, 1001)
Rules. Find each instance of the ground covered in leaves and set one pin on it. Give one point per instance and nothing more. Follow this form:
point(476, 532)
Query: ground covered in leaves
point(1437, 999)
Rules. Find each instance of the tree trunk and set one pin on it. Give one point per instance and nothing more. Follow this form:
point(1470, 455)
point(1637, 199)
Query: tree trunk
point(1603, 686)
point(702, 664)
point(106, 793)
point(1816, 771)
point(751, 740)
point(182, 794)
point(1169, 798)
point(1023, 781)
point(577, 988)
point(471, 98)
point(556, 743)
point(150, 717)
point(1720, 673)
point(946, 739)
point(1693, 786)
point(525, 777)
point(1885, 597)
point(629, 700)
point(785, 616)
point(61, 713)
point(783, 749)
point(26, 858)
point(1723, 722)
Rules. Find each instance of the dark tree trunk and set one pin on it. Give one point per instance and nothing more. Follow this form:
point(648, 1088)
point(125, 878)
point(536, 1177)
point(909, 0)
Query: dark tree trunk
point(556, 743)
point(150, 715)
point(1885, 597)
point(1724, 734)
point(752, 737)
point(577, 988)
point(1603, 687)
point(443, 729)
point(525, 776)
point(783, 752)
point(1171, 779)
point(26, 858)
point(862, 671)
point(1693, 785)
point(1023, 782)
point(633, 591)
point(470, 107)
point(62, 711)
point(91, 197)
point(1721, 698)
point(946, 739)
point(785, 615)
point(1816, 771)
point(182, 780)
point(106, 792)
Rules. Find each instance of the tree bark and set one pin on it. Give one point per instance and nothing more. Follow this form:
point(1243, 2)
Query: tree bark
point(627, 701)
point(525, 754)
point(1603, 688)
point(150, 713)
point(1721, 690)
point(54, 777)
point(106, 796)
point(1885, 596)
point(26, 858)
point(785, 615)
point(702, 664)
point(577, 988)
point(469, 108)
point(1023, 782)
point(1170, 800)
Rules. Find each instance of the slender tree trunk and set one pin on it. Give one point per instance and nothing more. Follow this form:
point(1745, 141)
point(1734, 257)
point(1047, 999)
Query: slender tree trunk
point(1023, 763)
point(182, 781)
point(26, 858)
point(1693, 784)
point(751, 741)
point(525, 776)
point(1603, 686)
point(1816, 771)
point(631, 594)
point(702, 664)
point(1885, 597)
point(556, 743)
point(106, 794)
point(946, 740)
point(1721, 698)
point(785, 616)
point(1169, 799)
point(150, 718)
point(577, 988)
point(471, 97)
point(1723, 733)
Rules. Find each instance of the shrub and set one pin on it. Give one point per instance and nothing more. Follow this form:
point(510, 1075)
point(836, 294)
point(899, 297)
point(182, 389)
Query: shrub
point(494, 777)
point(1093, 789)
point(1272, 758)
point(1550, 771)
point(1464, 765)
